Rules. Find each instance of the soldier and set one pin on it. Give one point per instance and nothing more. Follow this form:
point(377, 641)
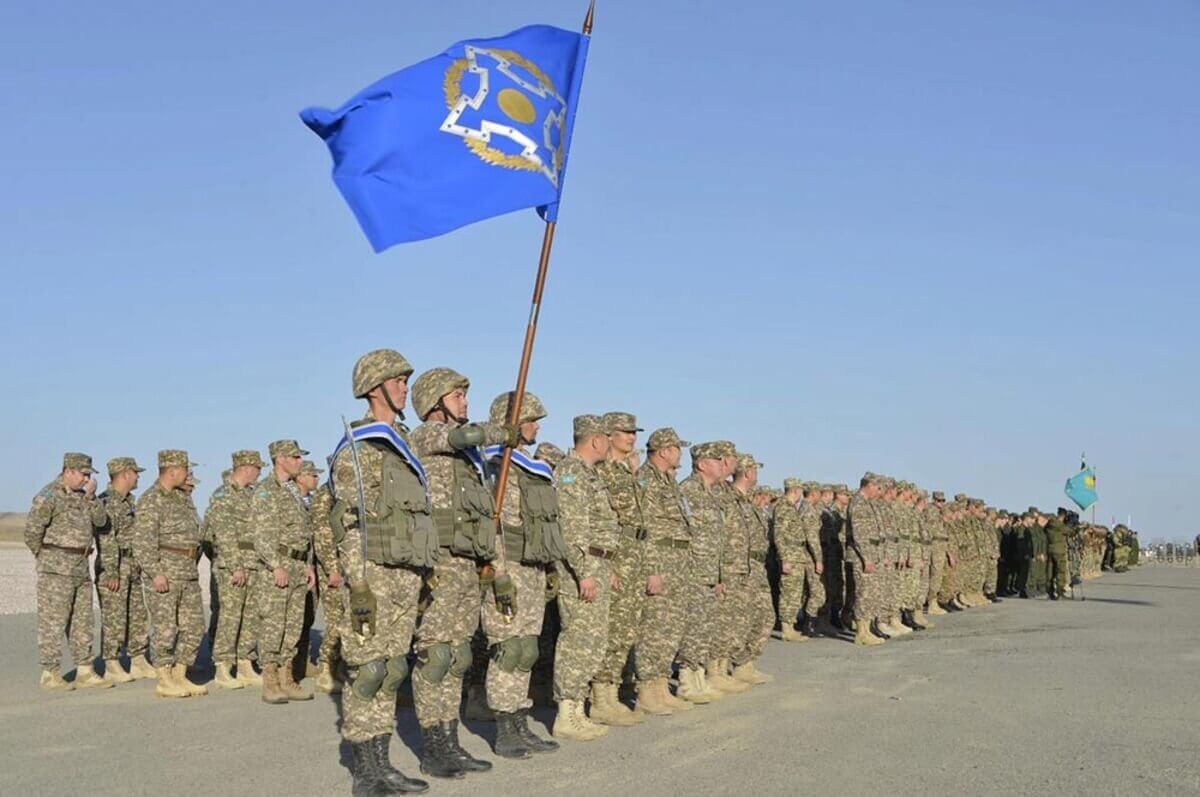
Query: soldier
point(542, 679)
point(227, 529)
point(705, 589)
point(865, 551)
point(589, 527)
point(1056, 551)
point(329, 591)
point(889, 582)
point(795, 520)
point(124, 620)
point(631, 581)
point(735, 572)
point(939, 556)
point(758, 620)
point(668, 540)
point(305, 485)
point(533, 543)
point(282, 543)
point(464, 517)
point(58, 531)
point(842, 594)
point(385, 540)
point(166, 546)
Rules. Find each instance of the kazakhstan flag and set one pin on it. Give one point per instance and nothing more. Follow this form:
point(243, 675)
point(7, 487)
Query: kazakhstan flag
point(1081, 488)
point(481, 129)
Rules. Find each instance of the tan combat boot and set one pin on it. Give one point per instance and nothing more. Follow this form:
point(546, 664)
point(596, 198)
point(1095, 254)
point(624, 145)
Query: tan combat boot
point(52, 681)
point(718, 678)
point(710, 691)
point(287, 683)
point(179, 671)
point(246, 673)
point(166, 686)
point(477, 707)
point(140, 669)
point(936, 610)
point(114, 672)
point(748, 673)
point(326, 684)
point(920, 619)
point(224, 678)
point(863, 635)
point(608, 710)
point(272, 690)
point(87, 678)
point(896, 628)
point(690, 688)
point(650, 699)
point(790, 634)
point(675, 703)
point(572, 723)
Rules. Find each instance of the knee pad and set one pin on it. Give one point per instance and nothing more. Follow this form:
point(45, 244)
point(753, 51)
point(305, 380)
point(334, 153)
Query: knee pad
point(434, 662)
point(397, 671)
point(461, 657)
point(369, 678)
point(507, 654)
point(529, 653)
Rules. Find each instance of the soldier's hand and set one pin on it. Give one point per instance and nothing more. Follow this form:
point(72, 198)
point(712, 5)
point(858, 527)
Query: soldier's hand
point(614, 581)
point(160, 584)
point(868, 567)
point(112, 584)
point(362, 609)
point(505, 591)
point(281, 577)
point(310, 577)
point(820, 566)
point(588, 589)
point(950, 556)
point(655, 585)
point(552, 585)
point(239, 578)
point(89, 487)
point(512, 435)
point(719, 590)
point(335, 579)
point(786, 567)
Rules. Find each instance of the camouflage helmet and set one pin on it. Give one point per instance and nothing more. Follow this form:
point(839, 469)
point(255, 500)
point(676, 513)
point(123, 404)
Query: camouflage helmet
point(430, 386)
point(532, 408)
point(376, 367)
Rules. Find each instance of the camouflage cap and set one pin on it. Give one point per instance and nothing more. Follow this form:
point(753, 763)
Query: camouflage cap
point(939, 496)
point(549, 453)
point(960, 498)
point(248, 457)
point(121, 464)
point(429, 387)
point(727, 448)
point(872, 478)
point(588, 425)
point(73, 460)
point(174, 458)
point(843, 489)
point(812, 487)
point(792, 483)
point(532, 408)
point(746, 462)
point(1033, 510)
point(286, 448)
point(665, 437)
point(310, 467)
point(621, 422)
point(708, 450)
point(376, 367)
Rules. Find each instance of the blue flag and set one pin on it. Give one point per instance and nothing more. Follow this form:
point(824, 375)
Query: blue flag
point(481, 129)
point(1081, 488)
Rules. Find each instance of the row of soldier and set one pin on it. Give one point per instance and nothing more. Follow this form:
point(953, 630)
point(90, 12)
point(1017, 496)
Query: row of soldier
point(650, 576)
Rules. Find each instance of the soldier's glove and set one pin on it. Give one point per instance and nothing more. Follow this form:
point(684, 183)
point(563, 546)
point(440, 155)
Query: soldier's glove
point(465, 436)
point(487, 576)
point(505, 590)
point(512, 435)
point(362, 609)
point(553, 582)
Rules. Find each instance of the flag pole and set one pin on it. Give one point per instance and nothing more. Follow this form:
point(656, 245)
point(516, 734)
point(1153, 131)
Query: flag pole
point(535, 309)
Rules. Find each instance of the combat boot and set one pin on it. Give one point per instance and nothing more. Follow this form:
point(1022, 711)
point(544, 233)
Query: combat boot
point(718, 677)
point(391, 779)
point(919, 617)
point(114, 672)
point(690, 688)
point(671, 700)
point(246, 673)
point(191, 687)
point(608, 710)
point(936, 610)
point(288, 685)
point(863, 636)
point(708, 689)
point(140, 669)
point(748, 674)
point(509, 743)
point(535, 743)
point(272, 690)
point(166, 686)
point(52, 681)
point(477, 707)
point(224, 678)
point(809, 627)
point(572, 723)
point(899, 628)
point(789, 634)
point(468, 762)
point(875, 628)
point(87, 678)
point(650, 700)
point(436, 759)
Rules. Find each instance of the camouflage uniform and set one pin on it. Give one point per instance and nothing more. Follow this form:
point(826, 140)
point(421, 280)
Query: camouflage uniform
point(166, 542)
point(228, 530)
point(798, 541)
point(935, 528)
point(865, 537)
point(124, 620)
point(58, 530)
point(700, 636)
point(734, 607)
point(833, 551)
point(592, 534)
point(668, 539)
point(282, 541)
point(328, 562)
point(759, 619)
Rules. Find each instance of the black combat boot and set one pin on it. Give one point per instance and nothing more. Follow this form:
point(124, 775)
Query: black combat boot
point(809, 626)
point(388, 775)
point(465, 760)
point(835, 620)
point(436, 758)
point(1024, 595)
point(877, 632)
point(509, 743)
point(534, 742)
point(949, 606)
point(912, 623)
point(367, 782)
point(992, 597)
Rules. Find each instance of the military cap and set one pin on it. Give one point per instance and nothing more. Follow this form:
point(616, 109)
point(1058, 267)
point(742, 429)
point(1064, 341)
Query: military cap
point(429, 387)
point(726, 448)
point(960, 498)
point(746, 462)
point(174, 457)
point(308, 466)
point(1033, 510)
point(549, 453)
point(844, 489)
point(792, 483)
point(376, 367)
point(247, 457)
point(621, 422)
point(665, 438)
point(73, 460)
point(708, 450)
point(286, 448)
point(120, 464)
point(939, 496)
point(588, 425)
point(812, 487)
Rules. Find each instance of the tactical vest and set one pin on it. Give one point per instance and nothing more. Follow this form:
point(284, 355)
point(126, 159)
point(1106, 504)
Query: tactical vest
point(401, 530)
point(538, 540)
point(468, 526)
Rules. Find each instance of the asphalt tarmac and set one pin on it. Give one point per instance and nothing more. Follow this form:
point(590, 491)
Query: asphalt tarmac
point(1090, 697)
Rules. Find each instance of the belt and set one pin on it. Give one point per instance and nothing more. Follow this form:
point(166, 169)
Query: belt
point(299, 554)
point(941, 539)
point(179, 551)
point(77, 551)
point(125, 551)
point(634, 532)
point(875, 540)
point(600, 553)
point(906, 537)
point(758, 556)
point(242, 545)
point(667, 542)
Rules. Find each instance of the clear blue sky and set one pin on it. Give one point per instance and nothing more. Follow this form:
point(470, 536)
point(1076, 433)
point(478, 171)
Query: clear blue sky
point(953, 242)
